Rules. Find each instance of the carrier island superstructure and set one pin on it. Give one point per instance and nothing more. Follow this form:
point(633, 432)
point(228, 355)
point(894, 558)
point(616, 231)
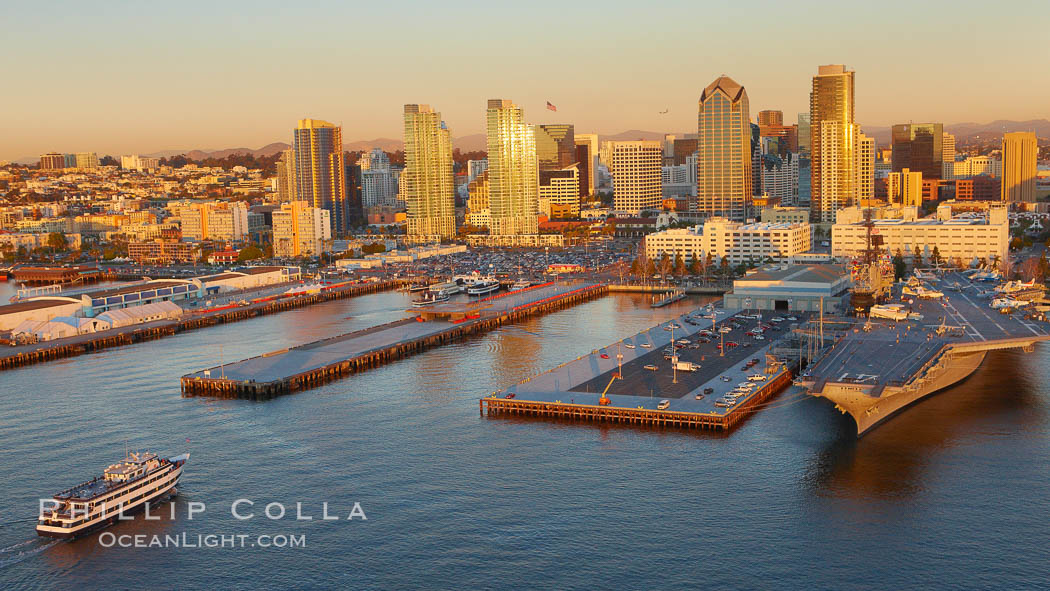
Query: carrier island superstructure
point(945, 327)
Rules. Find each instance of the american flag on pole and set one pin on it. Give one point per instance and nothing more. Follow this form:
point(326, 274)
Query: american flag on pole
point(551, 107)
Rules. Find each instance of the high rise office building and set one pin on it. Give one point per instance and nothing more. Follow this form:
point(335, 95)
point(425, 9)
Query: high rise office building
point(555, 146)
point(833, 137)
point(865, 167)
point(587, 156)
point(947, 156)
point(918, 147)
point(320, 172)
point(560, 192)
point(513, 170)
point(380, 181)
point(724, 150)
point(1019, 167)
point(804, 136)
point(286, 177)
point(427, 179)
point(636, 169)
point(904, 188)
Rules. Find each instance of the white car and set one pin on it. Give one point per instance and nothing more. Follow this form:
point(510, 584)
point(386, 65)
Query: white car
point(663, 405)
point(725, 329)
point(756, 378)
point(629, 345)
point(646, 345)
point(651, 367)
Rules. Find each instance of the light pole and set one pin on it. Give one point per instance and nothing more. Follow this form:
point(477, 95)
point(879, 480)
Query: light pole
point(674, 357)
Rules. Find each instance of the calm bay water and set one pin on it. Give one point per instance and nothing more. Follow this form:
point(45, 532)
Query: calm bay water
point(949, 494)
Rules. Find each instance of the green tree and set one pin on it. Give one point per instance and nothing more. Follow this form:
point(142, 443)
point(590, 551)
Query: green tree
point(694, 266)
point(249, 253)
point(679, 265)
point(723, 267)
point(916, 259)
point(899, 266)
point(935, 256)
point(57, 241)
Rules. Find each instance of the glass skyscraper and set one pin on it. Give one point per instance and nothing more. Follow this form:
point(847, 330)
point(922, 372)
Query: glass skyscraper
point(427, 182)
point(320, 173)
point(833, 137)
point(514, 199)
point(724, 163)
point(918, 147)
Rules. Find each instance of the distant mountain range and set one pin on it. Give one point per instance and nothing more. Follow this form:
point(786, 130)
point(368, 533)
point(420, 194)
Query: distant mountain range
point(963, 132)
point(968, 132)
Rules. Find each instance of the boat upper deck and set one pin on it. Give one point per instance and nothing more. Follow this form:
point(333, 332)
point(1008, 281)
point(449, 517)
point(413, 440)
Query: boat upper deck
point(890, 352)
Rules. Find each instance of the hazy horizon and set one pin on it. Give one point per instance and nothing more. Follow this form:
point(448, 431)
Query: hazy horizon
point(118, 79)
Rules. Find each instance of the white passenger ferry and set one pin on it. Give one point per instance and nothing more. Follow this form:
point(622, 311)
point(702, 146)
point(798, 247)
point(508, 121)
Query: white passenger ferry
point(124, 488)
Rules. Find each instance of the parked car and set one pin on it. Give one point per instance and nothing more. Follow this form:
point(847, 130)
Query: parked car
point(663, 405)
point(651, 367)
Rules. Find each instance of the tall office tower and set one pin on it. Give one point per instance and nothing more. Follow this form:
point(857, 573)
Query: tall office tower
point(301, 230)
point(904, 188)
point(724, 173)
point(356, 212)
point(320, 172)
point(560, 192)
point(555, 146)
point(833, 135)
point(865, 167)
point(948, 156)
point(513, 171)
point(805, 141)
point(770, 118)
point(756, 161)
point(286, 177)
point(52, 161)
point(86, 160)
point(427, 178)
point(917, 146)
point(1019, 162)
point(587, 156)
point(636, 175)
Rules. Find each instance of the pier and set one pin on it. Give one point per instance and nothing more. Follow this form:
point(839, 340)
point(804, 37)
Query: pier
point(24, 355)
point(623, 383)
point(313, 364)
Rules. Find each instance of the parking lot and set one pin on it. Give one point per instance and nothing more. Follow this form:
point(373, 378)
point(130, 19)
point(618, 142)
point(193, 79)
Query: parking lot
point(583, 380)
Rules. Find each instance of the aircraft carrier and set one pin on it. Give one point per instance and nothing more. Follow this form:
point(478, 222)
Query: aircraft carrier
point(879, 367)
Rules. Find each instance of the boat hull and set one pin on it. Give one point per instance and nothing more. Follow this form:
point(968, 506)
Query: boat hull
point(101, 525)
point(868, 410)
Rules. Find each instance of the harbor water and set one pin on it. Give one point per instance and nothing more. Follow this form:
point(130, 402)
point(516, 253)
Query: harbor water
point(948, 494)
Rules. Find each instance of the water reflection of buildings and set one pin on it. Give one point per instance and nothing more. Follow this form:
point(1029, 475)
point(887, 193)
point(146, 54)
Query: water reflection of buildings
point(893, 459)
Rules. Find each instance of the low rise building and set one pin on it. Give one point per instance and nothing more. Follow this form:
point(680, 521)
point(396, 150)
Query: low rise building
point(735, 241)
point(968, 236)
point(160, 252)
point(787, 288)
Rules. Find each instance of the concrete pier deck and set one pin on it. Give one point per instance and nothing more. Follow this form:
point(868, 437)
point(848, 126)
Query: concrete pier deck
point(572, 390)
point(22, 355)
point(309, 365)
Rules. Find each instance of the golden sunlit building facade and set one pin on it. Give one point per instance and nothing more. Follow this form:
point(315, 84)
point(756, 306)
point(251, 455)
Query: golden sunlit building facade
point(724, 167)
point(427, 183)
point(513, 170)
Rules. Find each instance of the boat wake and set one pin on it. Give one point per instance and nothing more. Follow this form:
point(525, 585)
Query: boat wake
point(23, 554)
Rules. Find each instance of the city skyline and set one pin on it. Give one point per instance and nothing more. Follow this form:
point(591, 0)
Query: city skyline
point(195, 88)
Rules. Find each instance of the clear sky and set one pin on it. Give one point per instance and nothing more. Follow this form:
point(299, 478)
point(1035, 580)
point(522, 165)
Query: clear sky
point(124, 77)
